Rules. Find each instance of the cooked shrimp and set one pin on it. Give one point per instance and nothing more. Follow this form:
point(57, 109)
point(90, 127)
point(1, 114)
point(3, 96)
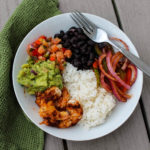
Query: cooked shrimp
point(62, 102)
point(75, 113)
point(52, 93)
point(56, 108)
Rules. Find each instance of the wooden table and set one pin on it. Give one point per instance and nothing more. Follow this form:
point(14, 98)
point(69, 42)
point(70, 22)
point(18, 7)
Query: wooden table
point(132, 16)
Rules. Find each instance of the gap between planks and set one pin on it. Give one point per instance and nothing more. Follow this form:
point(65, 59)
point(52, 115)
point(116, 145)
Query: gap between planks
point(140, 101)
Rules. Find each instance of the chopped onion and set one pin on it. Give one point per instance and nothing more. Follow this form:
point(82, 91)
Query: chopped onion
point(115, 56)
point(124, 66)
point(117, 39)
point(32, 71)
point(102, 69)
point(114, 74)
point(116, 61)
point(104, 84)
point(115, 92)
point(123, 94)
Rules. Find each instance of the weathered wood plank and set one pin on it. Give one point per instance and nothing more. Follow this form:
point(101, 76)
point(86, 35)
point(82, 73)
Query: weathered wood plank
point(6, 9)
point(53, 143)
point(132, 135)
point(136, 23)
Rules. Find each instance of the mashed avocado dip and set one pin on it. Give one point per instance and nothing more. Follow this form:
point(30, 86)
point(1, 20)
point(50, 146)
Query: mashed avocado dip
point(39, 76)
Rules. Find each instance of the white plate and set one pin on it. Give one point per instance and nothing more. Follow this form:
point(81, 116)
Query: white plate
point(119, 115)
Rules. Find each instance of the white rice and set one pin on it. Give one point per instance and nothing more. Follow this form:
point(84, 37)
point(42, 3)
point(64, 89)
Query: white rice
point(97, 103)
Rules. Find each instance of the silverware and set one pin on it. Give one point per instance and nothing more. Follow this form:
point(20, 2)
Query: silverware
point(98, 35)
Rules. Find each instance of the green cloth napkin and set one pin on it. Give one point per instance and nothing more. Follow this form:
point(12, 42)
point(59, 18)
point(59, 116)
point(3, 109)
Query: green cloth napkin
point(16, 132)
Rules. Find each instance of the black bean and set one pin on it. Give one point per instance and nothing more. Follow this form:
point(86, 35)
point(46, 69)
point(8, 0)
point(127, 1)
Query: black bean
point(84, 46)
point(77, 51)
point(76, 33)
point(65, 37)
point(80, 30)
point(83, 51)
point(85, 67)
point(102, 45)
point(87, 52)
point(73, 40)
point(72, 29)
point(92, 55)
point(69, 33)
point(74, 45)
point(62, 33)
point(66, 44)
point(77, 56)
point(82, 37)
point(76, 63)
point(89, 63)
point(84, 60)
point(89, 48)
point(79, 44)
point(91, 43)
point(57, 35)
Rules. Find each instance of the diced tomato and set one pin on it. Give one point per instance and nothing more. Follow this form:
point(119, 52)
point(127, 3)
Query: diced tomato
point(60, 56)
point(52, 58)
point(38, 41)
point(35, 52)
point(54, 48)
point(41, 50)
point(41, 58)
point(63, 49)
point(56, 40)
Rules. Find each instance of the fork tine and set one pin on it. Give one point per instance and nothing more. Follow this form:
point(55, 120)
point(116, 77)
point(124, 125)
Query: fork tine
point(79, 24)
point(87, 20)
point(82, 22)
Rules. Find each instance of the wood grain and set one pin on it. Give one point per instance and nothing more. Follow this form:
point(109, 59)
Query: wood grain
point(135, 18)
point(6, 9)
point(53, 143)
point(132, 135)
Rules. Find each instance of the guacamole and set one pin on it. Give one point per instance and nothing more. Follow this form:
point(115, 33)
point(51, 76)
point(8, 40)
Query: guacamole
point(37, 77)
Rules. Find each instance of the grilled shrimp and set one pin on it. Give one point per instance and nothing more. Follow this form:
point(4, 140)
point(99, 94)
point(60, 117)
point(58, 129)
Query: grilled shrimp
point(52, 93)
point(66, 118)
point(62, 102)
point(75, 113)
point(57, 110)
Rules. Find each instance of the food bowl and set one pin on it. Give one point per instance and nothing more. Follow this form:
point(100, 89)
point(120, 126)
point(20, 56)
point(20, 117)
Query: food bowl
point(118, 116)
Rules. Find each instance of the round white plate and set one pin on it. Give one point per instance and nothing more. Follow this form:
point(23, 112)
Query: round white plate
point(27, 102)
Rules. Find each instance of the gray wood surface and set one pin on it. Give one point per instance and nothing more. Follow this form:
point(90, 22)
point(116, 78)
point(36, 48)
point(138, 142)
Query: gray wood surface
point(134, 16)
point(125, 137)
point(6, 9)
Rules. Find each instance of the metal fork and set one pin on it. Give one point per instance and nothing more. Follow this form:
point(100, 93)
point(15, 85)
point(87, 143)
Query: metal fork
point(98, 35)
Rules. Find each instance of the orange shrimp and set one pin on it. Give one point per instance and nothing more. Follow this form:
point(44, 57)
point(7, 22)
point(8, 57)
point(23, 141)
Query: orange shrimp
point(57, 109)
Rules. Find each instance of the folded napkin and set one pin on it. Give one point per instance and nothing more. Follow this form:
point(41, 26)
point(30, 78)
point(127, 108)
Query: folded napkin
point(16, 132)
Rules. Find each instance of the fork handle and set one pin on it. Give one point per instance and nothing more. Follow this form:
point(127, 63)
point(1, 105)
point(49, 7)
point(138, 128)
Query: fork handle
point(134, 59)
